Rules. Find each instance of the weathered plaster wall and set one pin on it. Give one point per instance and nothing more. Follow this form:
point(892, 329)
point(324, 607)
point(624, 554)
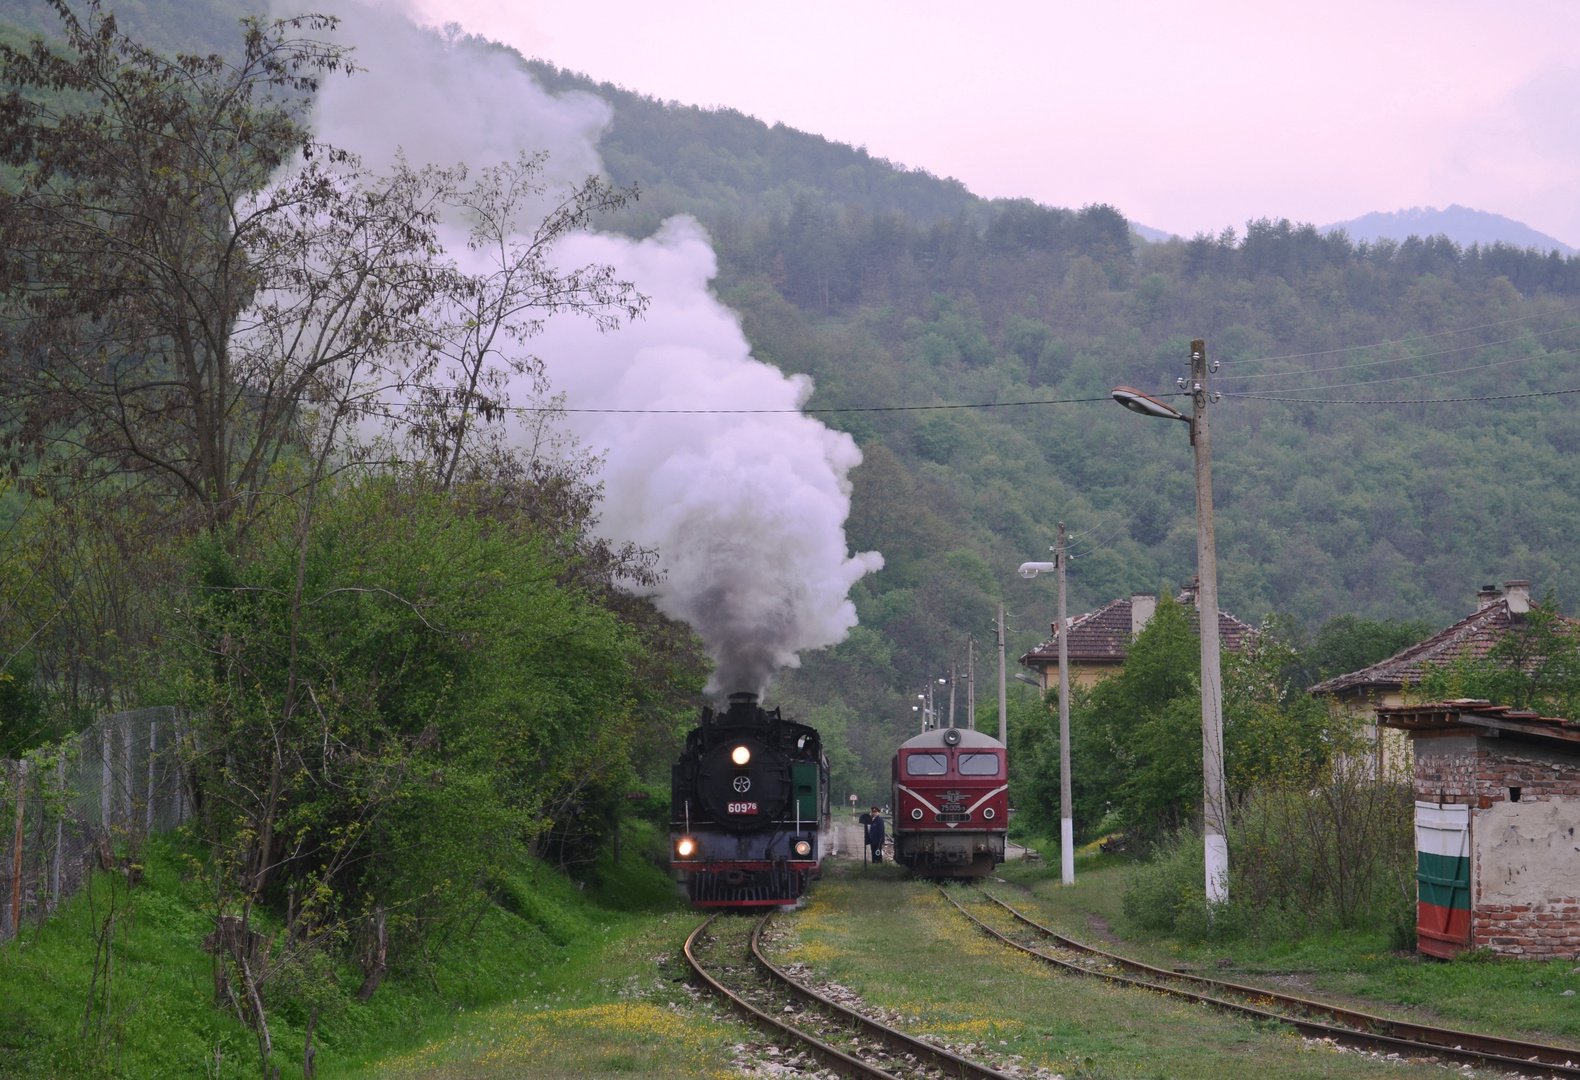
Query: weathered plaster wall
point(1527, 849)
point(1526, 867)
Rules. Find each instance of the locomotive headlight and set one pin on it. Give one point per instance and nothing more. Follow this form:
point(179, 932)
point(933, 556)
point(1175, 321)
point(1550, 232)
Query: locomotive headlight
point(685, 848)
point(740, 755)
point(916, 813)
point(803, 848)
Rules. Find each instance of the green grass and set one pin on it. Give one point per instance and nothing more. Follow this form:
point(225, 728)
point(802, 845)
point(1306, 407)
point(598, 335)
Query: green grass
point(1520, 998)
point(613, 1011)
point(899, 945)
point(548, 945)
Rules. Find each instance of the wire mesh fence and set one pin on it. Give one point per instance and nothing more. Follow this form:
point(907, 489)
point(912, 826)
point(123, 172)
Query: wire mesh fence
point(87, 805)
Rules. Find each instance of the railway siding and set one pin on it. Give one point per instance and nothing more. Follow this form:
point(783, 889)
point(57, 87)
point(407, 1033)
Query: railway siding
point(1387, 1039)
point(899, 946)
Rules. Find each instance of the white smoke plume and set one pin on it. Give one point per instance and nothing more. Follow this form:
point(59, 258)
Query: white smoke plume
point(747, 511)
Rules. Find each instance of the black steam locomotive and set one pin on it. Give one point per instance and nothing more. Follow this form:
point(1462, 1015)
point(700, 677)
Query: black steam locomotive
point(749, 807)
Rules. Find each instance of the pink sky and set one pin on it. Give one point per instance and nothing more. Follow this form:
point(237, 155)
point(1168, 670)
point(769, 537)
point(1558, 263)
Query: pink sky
point(1187, 116)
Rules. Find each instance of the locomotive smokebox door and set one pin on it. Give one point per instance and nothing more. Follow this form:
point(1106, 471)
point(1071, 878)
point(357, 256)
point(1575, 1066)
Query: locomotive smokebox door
point(744, 782)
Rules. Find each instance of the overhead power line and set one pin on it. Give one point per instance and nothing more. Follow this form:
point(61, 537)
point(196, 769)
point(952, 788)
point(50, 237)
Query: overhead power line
point(814, 410)
point(1424, 337)
point(1399, 359)
point(1406, 401)
point(1419, 375)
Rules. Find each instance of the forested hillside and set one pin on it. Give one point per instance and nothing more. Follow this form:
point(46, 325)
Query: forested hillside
point(893, 287)
point(843, 268)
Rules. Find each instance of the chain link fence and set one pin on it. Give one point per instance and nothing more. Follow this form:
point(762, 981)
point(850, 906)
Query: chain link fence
point(88, 805)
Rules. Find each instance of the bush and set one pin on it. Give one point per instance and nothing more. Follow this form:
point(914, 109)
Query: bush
point(1302, 861)
point(1166, 894)
point(1337, 856)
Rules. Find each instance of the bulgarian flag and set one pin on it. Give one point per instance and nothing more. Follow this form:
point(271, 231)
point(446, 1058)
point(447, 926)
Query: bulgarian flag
point(1442, 873)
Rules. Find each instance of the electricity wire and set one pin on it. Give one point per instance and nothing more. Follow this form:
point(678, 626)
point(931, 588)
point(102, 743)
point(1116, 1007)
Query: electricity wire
point(1260, 395)
point(1419, 375)
point(1407, 401)
point(1129, 504)
point(1397, 359)
point(1267, 395)
point(812, 410)
point(1101, 544)
point(1424, 337)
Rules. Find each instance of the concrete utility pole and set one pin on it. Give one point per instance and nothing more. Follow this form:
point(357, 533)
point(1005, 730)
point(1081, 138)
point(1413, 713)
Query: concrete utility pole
point(1066, 814)
point(971, 683)
point(1214, 809)
point(954, 674)
point(1003, 701)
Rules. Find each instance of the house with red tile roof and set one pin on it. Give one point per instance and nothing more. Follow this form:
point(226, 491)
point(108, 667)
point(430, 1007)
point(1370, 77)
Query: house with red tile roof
point(1099, 640)
point(1383, 685)
point(1470, 638)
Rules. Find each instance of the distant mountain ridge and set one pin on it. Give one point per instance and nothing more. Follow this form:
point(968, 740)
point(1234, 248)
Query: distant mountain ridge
point(1460, 224)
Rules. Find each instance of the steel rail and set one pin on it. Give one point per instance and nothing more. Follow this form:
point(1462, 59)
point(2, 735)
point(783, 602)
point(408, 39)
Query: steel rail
point(1349, 1036)
point(834, 1058)
point(951, 1064)
point(1435, 1037)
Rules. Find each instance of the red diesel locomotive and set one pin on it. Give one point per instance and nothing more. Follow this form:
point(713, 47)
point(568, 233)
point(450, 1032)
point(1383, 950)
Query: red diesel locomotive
point(951, 803)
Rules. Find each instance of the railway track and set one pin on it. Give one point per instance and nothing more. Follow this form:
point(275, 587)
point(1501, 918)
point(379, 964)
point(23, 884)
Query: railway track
point(845, 1040)
point(1344, 1026)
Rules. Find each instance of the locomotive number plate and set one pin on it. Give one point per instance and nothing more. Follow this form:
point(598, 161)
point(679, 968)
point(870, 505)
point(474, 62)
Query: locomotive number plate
point(743, 808)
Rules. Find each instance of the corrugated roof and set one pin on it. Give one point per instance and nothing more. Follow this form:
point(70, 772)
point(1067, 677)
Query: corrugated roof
point(1470, 638)
point(1477, 715)
point(1103, 635)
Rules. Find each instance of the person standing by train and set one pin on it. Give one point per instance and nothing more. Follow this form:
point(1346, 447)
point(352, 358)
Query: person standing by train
point(875, 834)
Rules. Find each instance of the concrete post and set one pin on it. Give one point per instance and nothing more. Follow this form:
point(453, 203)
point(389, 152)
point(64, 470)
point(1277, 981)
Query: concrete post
point(1066, 812)
point(148, 809)
point(16, 862)
point(1003, 701)
point(971, 683)
point(60, 832)
point(1214, 809)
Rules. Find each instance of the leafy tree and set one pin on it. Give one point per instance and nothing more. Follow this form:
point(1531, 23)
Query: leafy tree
point(23, 723)
point(1147, 722)
point(388, 712)
point(1342, 644)
point(1135, 743)
point(1534, 665)
point(1136, 735)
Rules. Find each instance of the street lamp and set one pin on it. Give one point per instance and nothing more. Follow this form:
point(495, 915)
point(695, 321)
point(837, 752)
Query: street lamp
point(1066, 812)
point(1146, 404)
point(1215, 818)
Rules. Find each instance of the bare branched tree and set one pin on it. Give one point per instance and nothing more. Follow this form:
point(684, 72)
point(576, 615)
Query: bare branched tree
point(129, 242)
point(481, 326)
point(193, 287)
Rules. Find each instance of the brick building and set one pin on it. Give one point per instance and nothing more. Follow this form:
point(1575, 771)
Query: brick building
point(1497, 806)
point(1100, 639)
